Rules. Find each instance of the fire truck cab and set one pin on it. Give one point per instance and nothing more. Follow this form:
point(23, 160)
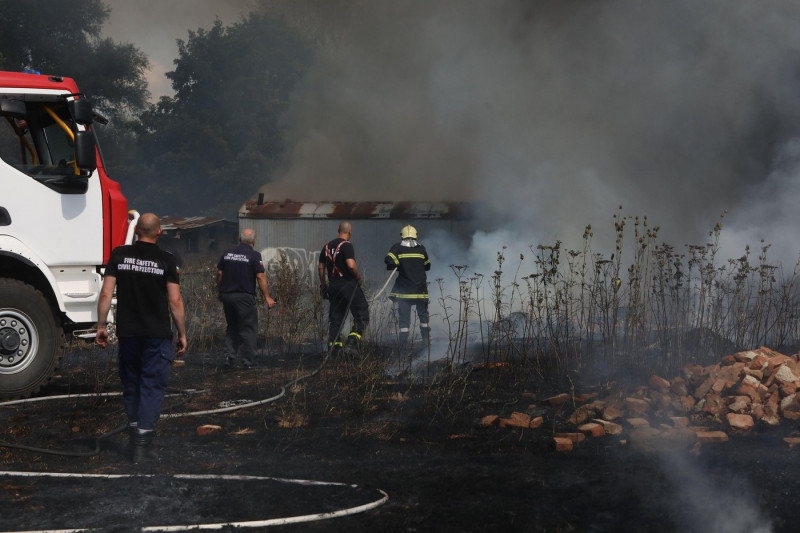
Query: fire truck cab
point(60, 217)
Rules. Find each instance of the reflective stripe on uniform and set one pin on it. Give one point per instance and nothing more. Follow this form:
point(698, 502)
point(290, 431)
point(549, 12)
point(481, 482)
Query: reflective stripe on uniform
point(332, 258)
point(401, 296)
point(409, 256)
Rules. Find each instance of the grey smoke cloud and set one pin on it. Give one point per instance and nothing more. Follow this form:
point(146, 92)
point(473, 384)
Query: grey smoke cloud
point(554, 113)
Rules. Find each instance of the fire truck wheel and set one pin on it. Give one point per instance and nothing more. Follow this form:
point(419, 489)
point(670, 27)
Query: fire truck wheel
point(30, 341)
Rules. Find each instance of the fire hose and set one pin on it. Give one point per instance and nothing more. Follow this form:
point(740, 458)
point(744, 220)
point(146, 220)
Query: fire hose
point(186, 393)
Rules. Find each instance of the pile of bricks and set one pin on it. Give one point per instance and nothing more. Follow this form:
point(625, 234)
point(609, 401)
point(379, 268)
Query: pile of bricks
point(702, 405)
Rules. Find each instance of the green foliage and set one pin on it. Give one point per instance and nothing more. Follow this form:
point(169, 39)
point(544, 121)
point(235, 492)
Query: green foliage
point(63, 38)
point(218, 139)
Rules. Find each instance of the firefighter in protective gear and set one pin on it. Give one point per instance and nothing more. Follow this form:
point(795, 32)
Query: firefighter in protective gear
point(338, 280)
point(410, 289)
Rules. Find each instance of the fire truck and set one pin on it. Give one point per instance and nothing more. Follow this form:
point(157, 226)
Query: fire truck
point(60, 217)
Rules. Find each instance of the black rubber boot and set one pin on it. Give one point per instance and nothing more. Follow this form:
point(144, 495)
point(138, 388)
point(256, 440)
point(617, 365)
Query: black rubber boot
point(426, 339)
point(426, 334)
point(335, 349)
point(142, 448)
point(351, 348)
point(402, 344)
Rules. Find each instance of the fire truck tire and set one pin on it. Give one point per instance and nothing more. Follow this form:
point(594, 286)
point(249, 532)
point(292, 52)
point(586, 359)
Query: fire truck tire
point(30, 340)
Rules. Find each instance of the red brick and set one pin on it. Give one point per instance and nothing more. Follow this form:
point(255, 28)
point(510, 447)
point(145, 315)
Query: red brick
point(706, 437)
point(679, 421)
point(517, 420)
point(562, 445)
point(610, 427)
point(792, 441)
point(739, 422)
point(574, 437)
point(638, 422)
point(488, 420)
point(558, 399)
point(612, 412)
point(592, 429)
point(208, 429)
point(657, 382)
point(637, 405)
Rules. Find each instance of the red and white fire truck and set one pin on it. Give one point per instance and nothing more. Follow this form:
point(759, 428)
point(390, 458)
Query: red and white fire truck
point(60, 217)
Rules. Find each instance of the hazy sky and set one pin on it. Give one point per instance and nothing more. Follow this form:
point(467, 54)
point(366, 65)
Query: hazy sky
point(153, 26)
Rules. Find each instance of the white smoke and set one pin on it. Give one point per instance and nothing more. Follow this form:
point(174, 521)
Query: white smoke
point(552, 113)
point(705, 505)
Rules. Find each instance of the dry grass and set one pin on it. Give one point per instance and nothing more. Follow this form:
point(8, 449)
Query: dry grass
point(644, 307)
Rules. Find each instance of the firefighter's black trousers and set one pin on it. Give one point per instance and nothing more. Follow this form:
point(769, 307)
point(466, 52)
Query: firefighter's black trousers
point(340, 294)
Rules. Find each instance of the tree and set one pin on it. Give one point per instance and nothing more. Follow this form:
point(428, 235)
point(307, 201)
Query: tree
point(218, 139)
point(63, 38)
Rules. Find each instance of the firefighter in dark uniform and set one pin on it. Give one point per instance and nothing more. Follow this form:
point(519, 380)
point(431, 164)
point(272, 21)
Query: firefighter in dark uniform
point(338, 279)
point(148, 294)
point(410, 289)
point(239, 269)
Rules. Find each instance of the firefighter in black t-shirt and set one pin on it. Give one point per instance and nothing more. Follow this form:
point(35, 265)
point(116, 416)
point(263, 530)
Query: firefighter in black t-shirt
point(238, 271)
point(338, 280)
point(410, 259)
point(148, 294)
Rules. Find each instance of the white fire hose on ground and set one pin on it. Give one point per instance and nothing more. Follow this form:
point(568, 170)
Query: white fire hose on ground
point(259, 523)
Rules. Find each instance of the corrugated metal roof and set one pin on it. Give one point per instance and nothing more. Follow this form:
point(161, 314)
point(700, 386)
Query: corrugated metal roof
point(356, 210)
point(183, 223)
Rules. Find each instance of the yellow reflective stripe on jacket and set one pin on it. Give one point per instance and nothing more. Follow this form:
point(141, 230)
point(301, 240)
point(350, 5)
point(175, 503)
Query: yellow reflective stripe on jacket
point(394, 258)
point(410, 256)
point(408, 296)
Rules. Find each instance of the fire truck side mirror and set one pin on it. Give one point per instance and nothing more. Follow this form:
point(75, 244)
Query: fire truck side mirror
point(81, 111)
point(85, 151)
point(12, 108)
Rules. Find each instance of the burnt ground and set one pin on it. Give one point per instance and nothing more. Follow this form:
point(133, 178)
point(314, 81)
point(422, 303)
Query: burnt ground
point(362, 435)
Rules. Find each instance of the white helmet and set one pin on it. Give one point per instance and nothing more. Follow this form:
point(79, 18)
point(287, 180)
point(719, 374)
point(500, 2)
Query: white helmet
point(408, 232)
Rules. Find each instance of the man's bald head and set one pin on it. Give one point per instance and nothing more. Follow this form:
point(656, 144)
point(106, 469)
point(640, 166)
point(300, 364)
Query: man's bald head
point(345, 228)
point(148, 226)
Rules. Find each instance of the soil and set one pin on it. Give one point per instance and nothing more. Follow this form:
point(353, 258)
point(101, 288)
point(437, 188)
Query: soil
point(362, 434)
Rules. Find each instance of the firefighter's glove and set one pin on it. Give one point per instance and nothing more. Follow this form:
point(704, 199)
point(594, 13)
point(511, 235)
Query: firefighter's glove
point(323, 291)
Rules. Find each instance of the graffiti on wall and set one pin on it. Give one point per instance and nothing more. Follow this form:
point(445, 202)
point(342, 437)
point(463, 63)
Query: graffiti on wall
point(298, 258)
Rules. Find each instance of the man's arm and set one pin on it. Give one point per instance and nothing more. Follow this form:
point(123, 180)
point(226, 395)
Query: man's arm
point(219, 283)
point(323, 281)
point(261, 278)
point(351, 264)
point(103, 307)
point(178, 315)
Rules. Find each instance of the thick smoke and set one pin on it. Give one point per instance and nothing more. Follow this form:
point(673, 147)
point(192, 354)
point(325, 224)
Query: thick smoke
point(555, 113)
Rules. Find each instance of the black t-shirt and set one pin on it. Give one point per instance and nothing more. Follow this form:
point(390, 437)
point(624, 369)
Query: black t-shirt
point(239, 267)
point(142, 270)
point(334, 256)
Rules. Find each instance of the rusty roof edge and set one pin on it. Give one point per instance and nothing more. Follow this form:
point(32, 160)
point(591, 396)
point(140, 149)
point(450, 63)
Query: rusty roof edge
point(182, 223)
point(357, 210)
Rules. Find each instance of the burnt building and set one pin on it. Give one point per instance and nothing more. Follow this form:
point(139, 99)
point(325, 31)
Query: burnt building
point(300, 229)
point(200, 236)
